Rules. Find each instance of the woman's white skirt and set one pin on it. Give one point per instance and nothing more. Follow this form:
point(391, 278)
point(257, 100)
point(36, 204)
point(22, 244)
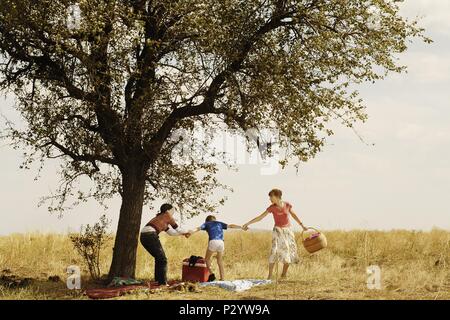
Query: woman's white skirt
point(284, 246)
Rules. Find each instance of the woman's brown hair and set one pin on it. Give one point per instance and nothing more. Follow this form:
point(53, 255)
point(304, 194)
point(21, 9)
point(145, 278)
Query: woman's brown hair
point(276, 193)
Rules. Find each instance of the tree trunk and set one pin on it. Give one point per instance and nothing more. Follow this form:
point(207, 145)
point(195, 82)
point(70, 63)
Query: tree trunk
point(127, 237)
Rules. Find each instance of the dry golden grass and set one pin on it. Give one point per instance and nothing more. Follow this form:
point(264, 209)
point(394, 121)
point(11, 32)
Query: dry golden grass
point(415, 265)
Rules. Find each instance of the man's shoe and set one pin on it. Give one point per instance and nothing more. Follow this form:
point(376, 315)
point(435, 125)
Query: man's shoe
point(211, 277)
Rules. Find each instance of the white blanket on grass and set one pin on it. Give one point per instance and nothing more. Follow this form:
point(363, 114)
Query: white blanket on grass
point(236, 285)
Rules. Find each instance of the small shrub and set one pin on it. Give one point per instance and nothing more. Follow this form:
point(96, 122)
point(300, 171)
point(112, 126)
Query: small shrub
point(89, 242)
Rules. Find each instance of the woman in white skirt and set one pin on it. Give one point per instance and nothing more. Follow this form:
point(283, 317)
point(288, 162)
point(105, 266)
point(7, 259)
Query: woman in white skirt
point(284, 246)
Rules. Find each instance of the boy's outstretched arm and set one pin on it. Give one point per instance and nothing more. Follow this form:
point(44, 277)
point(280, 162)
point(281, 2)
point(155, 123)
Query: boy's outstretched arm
point(234, 226)
point(194, 230)
point(191, 232)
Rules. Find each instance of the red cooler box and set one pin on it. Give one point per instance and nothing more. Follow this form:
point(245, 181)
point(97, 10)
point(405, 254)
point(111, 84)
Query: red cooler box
point(197, 273)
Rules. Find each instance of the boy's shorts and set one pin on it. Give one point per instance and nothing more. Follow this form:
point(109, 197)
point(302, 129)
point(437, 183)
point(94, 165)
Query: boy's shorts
point(216, 245)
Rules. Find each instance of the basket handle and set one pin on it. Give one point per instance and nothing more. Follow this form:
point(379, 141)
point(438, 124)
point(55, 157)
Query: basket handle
point(308, 228)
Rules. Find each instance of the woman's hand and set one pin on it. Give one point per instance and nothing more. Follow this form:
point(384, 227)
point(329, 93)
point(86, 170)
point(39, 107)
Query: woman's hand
point(245, 227)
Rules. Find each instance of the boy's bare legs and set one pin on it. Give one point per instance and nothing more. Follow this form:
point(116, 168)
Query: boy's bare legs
point(220, 264)
point(208, 256)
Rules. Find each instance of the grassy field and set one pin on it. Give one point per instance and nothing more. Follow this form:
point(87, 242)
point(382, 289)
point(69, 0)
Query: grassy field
point(414, 265)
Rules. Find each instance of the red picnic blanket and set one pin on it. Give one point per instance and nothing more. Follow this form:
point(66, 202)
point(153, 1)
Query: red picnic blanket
point(111, 292)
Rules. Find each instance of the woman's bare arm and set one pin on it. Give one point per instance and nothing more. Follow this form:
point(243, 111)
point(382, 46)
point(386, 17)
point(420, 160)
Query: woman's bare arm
point(258, 218)
point(295, 217)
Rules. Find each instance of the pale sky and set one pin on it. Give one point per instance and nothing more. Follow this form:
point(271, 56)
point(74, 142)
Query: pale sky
point(402, 182)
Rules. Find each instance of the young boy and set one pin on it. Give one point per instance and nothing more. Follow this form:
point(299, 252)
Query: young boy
point(215, 244)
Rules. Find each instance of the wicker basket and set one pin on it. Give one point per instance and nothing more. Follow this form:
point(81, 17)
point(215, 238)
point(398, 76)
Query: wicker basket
point(314, 242)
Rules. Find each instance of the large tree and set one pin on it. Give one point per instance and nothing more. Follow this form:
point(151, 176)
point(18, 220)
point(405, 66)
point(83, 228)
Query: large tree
point(105, 94)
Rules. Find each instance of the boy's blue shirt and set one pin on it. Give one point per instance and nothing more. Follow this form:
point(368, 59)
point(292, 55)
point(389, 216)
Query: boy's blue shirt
point(214, 229)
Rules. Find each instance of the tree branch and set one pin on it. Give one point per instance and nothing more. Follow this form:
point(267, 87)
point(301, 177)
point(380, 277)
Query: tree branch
point(207, 106)
point(84, 157)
